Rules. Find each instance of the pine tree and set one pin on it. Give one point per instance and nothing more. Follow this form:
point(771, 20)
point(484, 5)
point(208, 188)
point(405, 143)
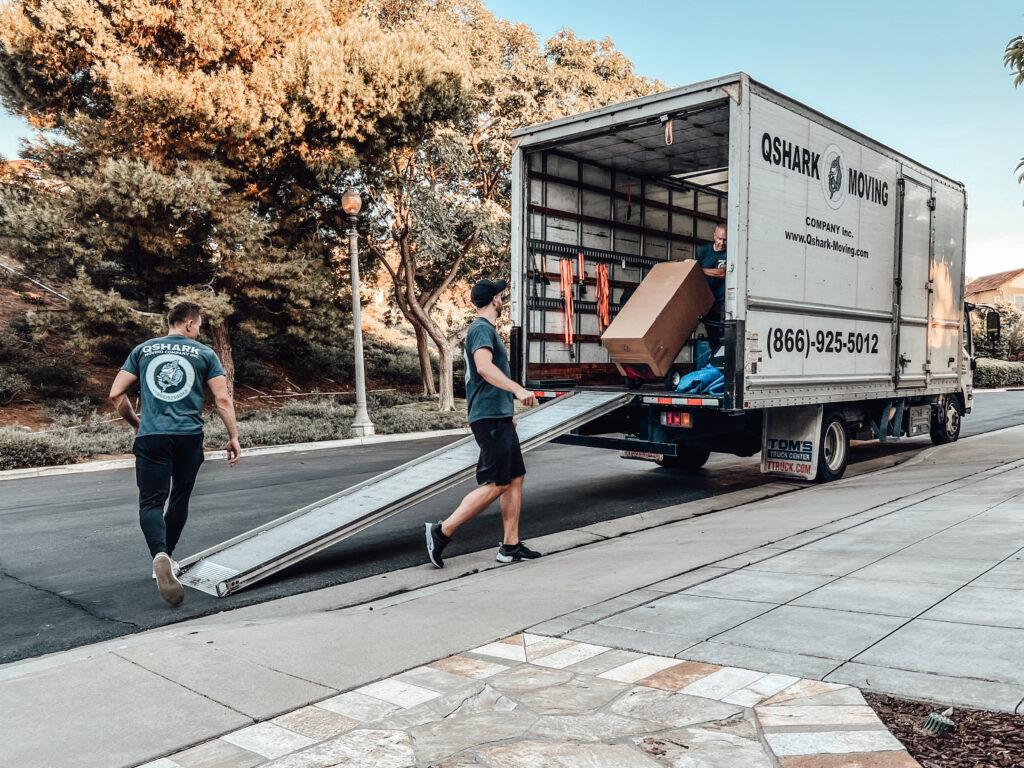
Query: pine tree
point(198, 149)
point(439, 211)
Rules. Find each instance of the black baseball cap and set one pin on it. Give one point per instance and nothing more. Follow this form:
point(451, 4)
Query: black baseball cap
point(483, 293)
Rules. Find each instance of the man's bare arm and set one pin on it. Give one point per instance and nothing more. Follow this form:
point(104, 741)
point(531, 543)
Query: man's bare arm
point(492, 374)
point(714, 272)
point(122, 383)
point(226, 410)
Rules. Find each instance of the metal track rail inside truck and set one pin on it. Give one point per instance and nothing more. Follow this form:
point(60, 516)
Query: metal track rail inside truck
point(242, 561)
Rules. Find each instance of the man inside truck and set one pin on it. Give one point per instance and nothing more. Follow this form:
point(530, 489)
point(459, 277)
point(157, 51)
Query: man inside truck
point(712, 259)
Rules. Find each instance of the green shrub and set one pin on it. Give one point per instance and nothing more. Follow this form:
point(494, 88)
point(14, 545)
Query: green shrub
point(28, 449)
point(297, 421)
point(396, 420)
point(993, 374)
point(253, 372)
point(58, 378)
point(68, 411)
point(47, 375)
point(12, 385)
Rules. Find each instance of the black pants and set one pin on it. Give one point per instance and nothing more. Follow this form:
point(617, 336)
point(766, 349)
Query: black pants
point(165, 465)
point(714, 328)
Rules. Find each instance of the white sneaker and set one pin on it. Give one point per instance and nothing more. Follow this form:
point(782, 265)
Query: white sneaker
point(175, 568)
point(167, 581)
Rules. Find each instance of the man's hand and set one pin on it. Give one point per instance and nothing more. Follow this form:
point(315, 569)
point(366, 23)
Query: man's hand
point(715, 272)
point(234, 451)
point(526, 397)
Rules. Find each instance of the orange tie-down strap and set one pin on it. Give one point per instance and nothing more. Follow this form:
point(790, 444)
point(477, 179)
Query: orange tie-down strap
point(567, 280)
point(603, 296)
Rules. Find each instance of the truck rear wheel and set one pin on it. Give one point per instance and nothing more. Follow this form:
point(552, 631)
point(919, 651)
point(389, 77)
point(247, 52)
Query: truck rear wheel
point(686, 458)
point(834, 449)
point(946, 421)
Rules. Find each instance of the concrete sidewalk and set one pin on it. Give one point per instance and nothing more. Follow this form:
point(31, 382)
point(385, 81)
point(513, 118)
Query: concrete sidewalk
point(908, 581)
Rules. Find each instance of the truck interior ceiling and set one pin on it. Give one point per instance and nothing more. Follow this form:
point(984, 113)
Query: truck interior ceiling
point(610, 204)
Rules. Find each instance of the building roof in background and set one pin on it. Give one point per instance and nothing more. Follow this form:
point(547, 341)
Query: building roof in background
point(991, 282)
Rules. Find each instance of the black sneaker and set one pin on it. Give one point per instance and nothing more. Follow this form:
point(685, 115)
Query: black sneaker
point(508, 553)
point(436, 542)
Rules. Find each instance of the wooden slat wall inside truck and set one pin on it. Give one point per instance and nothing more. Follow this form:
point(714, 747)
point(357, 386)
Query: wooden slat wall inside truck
point(616, 219)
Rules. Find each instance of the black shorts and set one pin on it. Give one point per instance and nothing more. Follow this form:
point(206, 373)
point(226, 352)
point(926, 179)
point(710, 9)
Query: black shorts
point(501, 459)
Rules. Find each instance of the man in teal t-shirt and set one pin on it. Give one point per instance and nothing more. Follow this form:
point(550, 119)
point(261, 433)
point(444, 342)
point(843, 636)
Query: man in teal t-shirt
point(712, 259)
point(173, 371)
point(490, 394)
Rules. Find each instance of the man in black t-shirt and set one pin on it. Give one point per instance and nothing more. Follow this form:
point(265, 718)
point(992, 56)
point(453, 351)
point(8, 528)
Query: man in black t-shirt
point(490, 394)
point(713, 258)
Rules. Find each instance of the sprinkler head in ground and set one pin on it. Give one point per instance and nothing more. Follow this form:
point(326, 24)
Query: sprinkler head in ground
point(936, 723)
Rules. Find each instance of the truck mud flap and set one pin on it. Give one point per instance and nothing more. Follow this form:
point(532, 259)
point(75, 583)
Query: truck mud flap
point(790, 440)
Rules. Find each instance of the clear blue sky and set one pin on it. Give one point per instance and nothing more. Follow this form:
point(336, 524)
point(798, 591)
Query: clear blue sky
point(925, 78)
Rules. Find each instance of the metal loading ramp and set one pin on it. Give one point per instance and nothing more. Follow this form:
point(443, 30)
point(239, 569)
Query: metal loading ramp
point(245, 559)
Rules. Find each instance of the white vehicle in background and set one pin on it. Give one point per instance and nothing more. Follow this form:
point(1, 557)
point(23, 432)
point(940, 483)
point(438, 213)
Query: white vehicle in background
point(844, 310)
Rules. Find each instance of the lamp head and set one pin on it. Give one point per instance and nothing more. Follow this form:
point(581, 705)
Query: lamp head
point(351, 203)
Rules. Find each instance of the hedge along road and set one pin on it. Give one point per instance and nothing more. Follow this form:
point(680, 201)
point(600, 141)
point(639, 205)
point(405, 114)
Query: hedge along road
point(74, 567)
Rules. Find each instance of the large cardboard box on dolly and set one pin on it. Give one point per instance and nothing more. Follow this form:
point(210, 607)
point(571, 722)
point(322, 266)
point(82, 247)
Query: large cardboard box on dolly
point(659, 317)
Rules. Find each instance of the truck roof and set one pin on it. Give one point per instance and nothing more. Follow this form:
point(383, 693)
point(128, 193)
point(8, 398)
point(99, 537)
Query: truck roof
point(617, 114)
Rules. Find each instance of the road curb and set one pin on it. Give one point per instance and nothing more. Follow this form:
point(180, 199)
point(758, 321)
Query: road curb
point(100, 466)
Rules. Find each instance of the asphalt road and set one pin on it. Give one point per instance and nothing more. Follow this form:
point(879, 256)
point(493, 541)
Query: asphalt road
point(74, 568)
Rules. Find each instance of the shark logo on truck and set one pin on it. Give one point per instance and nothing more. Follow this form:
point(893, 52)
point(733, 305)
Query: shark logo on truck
point(838, 182)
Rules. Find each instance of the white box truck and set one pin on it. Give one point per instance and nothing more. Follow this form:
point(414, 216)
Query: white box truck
point(844, 315)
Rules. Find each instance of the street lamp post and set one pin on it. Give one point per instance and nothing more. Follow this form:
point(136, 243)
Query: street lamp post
point(351, 204)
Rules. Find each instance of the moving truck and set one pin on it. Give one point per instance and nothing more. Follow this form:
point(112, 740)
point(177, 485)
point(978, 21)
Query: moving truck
point(844, 310)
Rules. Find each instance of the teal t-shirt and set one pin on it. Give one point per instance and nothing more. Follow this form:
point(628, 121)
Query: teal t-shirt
point(485, 400)
point(709, 258)
point(172, 372)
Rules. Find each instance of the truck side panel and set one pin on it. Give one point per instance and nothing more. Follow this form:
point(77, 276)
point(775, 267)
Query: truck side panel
point(822, 294)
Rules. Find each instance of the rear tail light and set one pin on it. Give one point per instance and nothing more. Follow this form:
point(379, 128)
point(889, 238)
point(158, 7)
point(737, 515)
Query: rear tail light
point(675, 419)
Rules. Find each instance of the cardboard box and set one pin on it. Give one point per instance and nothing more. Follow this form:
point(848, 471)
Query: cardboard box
point(659, 317)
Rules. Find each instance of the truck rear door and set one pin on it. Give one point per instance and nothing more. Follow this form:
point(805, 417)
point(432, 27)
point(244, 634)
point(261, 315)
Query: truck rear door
point(929, 282)
point(913, 280)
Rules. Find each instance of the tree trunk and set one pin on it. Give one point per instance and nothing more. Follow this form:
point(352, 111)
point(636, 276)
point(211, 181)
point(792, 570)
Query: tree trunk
point(446, 389)
point(222, 346)
point(423, 350)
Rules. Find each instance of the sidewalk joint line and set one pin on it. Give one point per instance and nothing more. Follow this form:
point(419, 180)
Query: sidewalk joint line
point(179, 684)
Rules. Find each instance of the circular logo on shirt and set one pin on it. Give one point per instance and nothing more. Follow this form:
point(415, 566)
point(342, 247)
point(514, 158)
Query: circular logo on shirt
point(170, 377)
point(833, 178)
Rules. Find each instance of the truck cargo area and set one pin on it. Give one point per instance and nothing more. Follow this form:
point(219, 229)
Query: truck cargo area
point(626, 199)
point(842, 316)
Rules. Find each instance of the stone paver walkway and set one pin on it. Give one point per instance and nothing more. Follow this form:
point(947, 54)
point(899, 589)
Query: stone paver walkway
point(922, 598)
point(531, 701)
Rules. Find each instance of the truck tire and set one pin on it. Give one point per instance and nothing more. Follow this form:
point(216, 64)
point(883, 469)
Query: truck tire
point(833, 449)
point(686, 458)
point(946, 421)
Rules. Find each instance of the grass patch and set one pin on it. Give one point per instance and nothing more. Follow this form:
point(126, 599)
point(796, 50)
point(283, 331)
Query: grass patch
point(71, 438)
